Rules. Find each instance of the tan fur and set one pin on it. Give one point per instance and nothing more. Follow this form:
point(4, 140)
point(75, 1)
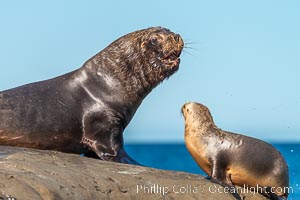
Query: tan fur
point(194, 150)
point(205, 141)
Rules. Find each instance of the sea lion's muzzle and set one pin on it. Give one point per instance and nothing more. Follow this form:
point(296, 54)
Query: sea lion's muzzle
point(173, 50)
point(180, 43)
point(187, 108)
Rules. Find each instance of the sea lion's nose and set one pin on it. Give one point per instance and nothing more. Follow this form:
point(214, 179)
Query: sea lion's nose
point(182, 109)
point(177, 37)
point(186, 106)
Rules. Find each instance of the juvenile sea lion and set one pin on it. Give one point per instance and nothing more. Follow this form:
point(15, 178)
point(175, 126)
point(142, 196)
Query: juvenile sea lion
point(89, 108)
point(231, 158)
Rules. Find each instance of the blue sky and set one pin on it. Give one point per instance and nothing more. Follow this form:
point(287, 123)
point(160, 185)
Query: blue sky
point(242, 61)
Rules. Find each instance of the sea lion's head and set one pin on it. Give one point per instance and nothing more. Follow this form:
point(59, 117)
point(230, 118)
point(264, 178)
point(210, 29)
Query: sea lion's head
point(161, 49)
point(151, 54)
point(197, 115)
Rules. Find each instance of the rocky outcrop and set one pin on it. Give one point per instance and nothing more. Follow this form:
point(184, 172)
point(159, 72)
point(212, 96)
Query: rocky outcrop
point(34, 174)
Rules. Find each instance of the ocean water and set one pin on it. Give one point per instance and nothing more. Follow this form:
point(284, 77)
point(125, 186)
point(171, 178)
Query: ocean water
point(176, 157)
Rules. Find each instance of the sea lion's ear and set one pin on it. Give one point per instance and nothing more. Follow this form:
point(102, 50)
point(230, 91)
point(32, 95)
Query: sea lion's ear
point(143, 44)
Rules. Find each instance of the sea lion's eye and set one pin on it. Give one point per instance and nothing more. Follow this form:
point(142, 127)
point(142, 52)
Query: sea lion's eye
point(153, 40)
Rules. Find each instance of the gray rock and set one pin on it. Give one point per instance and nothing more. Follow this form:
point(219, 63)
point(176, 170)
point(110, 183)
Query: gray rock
point(35, 174)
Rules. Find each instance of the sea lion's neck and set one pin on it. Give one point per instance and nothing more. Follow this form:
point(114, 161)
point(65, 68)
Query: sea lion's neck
point(194, 128)
point(128, 69)
point(111, 80)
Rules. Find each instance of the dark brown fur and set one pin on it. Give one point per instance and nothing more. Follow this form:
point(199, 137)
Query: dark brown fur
point(89, 108)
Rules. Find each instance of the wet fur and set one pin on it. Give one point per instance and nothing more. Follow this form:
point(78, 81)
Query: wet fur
point(89, 108)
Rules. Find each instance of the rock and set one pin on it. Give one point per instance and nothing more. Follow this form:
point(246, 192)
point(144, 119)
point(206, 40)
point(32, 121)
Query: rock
point(36, 174)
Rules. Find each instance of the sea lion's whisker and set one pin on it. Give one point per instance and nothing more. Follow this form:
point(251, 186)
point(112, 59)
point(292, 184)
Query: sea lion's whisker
point(185, 51)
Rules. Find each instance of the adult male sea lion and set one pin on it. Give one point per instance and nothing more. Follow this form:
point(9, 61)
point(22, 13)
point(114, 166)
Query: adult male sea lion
point(89, 108)
point(231, 158)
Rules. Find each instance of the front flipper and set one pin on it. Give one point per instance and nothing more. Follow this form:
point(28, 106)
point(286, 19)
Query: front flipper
point(103, 134)
point(122, 157)
point(267, 192)
point(220, 176)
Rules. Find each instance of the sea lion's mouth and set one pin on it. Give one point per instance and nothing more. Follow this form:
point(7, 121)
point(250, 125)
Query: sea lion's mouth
point(172, 59)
